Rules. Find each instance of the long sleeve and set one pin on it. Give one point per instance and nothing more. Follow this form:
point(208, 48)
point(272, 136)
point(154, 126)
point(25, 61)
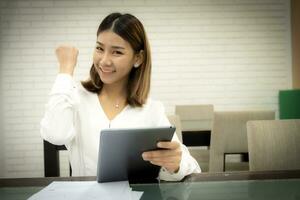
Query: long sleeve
point(188, 164)
point(57, 125)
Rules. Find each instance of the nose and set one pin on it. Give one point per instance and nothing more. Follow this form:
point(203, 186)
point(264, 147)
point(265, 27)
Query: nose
point(105, 59)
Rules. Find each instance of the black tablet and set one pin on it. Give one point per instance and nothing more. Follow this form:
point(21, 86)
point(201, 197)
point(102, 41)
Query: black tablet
point(120, 153)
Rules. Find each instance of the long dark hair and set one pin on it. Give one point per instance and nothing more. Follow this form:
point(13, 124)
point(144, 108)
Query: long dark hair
point(130, 29)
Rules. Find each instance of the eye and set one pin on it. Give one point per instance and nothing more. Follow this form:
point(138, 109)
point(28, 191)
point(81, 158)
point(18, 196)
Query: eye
point(117, 53)
point(99, 48)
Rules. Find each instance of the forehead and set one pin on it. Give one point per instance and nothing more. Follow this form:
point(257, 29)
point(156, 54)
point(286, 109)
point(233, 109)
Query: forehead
point(109, 39)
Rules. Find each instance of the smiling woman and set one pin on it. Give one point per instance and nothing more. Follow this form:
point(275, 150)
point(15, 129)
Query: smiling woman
point(114, 96)
point(122, 42)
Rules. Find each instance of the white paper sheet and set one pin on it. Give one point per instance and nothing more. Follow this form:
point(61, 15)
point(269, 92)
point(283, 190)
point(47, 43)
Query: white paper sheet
point(88, 190)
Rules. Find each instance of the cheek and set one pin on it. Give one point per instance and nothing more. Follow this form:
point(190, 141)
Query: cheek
point(96, 58)
point(125, 64)
point(127, 61)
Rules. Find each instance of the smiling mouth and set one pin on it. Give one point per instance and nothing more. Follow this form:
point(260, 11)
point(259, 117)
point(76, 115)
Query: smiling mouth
point(107, 70)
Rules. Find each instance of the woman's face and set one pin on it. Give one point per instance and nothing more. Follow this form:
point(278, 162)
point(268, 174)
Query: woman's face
point(113, 58)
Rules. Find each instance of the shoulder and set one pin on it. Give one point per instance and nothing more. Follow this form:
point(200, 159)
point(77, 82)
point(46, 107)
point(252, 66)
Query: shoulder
point(151, 114)
point(154, 109)
point(154, 105)
point(85, 97)
point(151, 108)
point(82, 91)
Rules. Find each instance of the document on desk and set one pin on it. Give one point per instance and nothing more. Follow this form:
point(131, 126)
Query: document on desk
point(87, 190)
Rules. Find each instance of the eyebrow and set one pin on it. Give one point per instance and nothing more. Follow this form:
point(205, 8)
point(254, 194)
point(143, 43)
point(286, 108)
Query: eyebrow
point(114, 47)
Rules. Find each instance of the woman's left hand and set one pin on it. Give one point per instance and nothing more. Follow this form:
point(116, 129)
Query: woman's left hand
point(168, 157)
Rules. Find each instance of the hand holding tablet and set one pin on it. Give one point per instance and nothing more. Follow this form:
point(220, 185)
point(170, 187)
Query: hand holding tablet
point(120, 153)
point(169, 157)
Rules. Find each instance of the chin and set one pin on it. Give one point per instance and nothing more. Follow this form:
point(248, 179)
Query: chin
point(106, 80)
point(103, 79)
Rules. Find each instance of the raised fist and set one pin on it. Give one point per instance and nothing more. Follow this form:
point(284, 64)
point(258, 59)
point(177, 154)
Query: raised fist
point(67, 58)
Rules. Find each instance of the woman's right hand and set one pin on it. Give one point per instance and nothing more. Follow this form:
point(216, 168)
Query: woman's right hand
point(67, 58)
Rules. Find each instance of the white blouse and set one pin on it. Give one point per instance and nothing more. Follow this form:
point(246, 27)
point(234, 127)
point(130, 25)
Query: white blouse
point(74, 118)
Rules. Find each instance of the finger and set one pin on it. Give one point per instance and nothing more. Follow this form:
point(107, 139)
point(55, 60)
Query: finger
point(174, 160)
point(161, 153)
point(168, 145)
point(157, 163)
point(162, 164)
point(171, 167)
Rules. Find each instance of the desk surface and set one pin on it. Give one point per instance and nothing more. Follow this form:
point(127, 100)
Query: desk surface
point(233, 185)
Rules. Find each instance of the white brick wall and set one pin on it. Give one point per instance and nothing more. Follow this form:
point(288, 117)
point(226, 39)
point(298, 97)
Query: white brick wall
point(234, 54)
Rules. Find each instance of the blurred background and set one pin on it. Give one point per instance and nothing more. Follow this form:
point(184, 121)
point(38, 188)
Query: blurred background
point(233, 54)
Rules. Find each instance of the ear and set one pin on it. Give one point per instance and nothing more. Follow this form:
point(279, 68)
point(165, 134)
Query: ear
point(139, 59)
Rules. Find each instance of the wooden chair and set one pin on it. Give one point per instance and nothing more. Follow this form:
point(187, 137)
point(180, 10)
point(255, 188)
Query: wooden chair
point(196, 123)
point(229, 136)
point(274, 144)
point(175, 121)
point(195, 117)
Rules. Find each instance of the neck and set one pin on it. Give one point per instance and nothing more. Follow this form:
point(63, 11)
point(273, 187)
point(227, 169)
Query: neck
point(114, 92)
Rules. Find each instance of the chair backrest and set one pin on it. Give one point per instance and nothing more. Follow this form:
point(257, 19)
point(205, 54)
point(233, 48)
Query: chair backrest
point(229, 135)
point(195, 117)
point(196, 121)
point(175, 121)
point(274, 144)
point(51, 159)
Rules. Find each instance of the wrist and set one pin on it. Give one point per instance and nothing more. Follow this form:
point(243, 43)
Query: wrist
point(66, 71)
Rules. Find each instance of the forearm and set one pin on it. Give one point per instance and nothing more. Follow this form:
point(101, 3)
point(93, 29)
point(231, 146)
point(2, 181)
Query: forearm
point(57, 125)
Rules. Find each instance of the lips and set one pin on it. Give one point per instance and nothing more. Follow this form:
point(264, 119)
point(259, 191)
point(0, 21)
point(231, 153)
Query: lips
point(107, 70)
